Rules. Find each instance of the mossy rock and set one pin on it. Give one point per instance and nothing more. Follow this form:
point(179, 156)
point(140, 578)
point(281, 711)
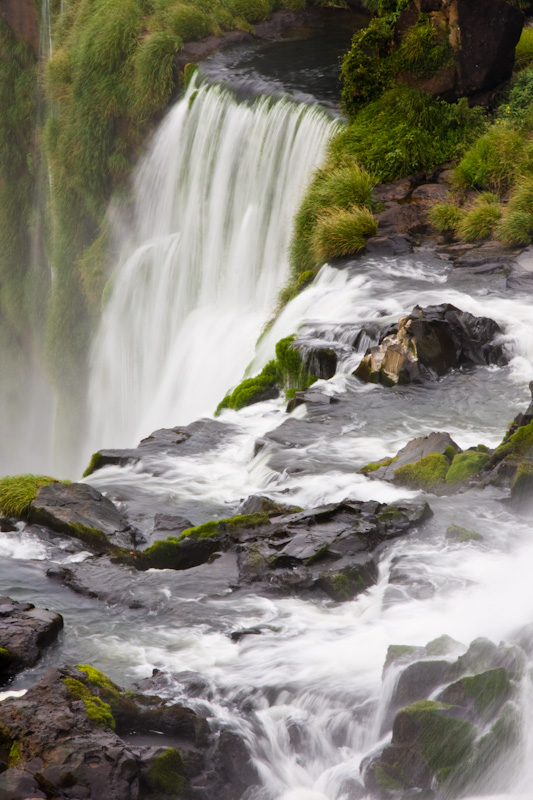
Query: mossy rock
point(484, 693)
point(345, 584)
point(428, 474)
point(18, 491)
point(459, 534)
point(98, 712)
point(522, 485)
point(167, 773)
point(465, 465)
point(375, 465)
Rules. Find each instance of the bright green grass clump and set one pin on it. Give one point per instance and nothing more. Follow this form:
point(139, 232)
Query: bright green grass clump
point(18, 491)
point(481, 220)
point(495, 160)
point(428, 474)
point(445, 217)
point(339, 232)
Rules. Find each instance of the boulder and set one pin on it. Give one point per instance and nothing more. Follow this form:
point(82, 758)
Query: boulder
point(76, 734)
point(79, 510)
point(413, 452)
point(429, 343)
point(25, 632)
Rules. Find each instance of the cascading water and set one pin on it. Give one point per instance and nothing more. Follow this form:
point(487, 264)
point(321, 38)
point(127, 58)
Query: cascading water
point(202, 261)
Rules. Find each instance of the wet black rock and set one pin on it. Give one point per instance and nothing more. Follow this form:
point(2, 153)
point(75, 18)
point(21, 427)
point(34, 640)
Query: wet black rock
point(25, 632)
point(429, 343)
point(314, 396)
point(414, 451)
point(80, 511)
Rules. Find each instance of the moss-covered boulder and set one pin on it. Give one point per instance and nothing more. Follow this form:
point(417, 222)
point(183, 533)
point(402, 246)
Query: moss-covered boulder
point(482, 695)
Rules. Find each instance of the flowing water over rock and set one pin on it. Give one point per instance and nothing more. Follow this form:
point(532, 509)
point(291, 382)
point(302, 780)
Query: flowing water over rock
point(300, 681)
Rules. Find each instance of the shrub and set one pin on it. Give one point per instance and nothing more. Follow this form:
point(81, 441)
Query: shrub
point(516, 228)
point(339, 232)
point(154, 70)
point(445, 217)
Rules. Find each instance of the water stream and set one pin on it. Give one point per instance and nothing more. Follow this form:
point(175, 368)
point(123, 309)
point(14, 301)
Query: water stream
point(201, 264)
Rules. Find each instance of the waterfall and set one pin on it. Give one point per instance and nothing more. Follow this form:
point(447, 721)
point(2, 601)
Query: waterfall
point(202, 259)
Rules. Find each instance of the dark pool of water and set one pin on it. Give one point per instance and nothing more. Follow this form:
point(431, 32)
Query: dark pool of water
point(304, 64)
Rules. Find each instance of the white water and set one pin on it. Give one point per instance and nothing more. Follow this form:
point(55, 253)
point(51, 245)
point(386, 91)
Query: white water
point(202, 261)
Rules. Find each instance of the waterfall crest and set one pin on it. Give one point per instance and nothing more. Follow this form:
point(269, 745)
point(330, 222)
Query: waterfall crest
point(202, 261)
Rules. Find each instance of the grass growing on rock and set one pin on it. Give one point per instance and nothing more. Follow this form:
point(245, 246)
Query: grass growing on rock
point(445, 217)
point(18, 491)
point(428, 474)
point(481, 220)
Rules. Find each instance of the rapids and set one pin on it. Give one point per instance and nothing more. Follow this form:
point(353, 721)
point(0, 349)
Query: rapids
point(200, 268)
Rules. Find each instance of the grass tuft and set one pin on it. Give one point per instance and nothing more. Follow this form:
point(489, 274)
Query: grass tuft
point(339, 232)
point(445, 217)
point(18, 491)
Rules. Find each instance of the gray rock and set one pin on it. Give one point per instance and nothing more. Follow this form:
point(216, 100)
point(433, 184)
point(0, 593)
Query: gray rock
point(435, 442)
point(25, 632)
point(79, 510)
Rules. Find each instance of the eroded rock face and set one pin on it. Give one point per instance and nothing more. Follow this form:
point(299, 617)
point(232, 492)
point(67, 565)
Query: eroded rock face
point(21, 16)
point(429, 343)
point(25, 632)
point(483, 35)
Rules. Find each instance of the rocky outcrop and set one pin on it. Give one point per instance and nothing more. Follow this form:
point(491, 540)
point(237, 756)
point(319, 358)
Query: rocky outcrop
point(79, 510)
point(21, 16)
point(76, 734)
point(482, 34)
point(429, 343)
point(198, 437)
point(455, 743)
point(25, 632)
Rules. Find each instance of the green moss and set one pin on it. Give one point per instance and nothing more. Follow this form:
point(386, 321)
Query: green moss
point(524, 50)
point(375, 465)
point(386, 781)
point(231, 523)
point(465, 465)
point(98, 678)
point(18, 491)
point(522, 485)
point(14, 754)
point(167, 773)
point(444, 741)
point(399, 652)
point(428, 474)
point(489, 690)
point(288, 370)
point(517, 446)
point(96, 539)
point(460, 534)
point(94, 464)
point(341, 585)
point(97, 711)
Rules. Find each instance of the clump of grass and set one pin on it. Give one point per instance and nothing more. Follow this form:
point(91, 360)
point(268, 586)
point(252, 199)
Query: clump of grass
point(524, 50)
point(18, 491)
point(480, 221)
point(495, 160)
point(445, 217)
point(340, 185)
point(154, 67)
point(516, 227)
point(339, 232)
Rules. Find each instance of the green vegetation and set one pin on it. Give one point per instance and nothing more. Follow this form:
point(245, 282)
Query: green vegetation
point(444, 741)
point(167, 773)
point(517, 446)
point(428, 474)
point(98, 678)
point(481, 219)
point(94, 538)
point(168, 553)
point(97, 711)
point(489, 690)
point(375, 465)
point(522, 485)
point(94, 464)
point(466, 464)
point(445, 217)
point(288, 371)
point(18, 491)
point(339, 232)
point(524, 50)
point(14, 753)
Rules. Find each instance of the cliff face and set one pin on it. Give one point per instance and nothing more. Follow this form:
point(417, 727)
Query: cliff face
point(21, 16)
point(483, 35)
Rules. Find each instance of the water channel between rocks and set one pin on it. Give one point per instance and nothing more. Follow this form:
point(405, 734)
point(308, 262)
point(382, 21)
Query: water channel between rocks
point(316, 666)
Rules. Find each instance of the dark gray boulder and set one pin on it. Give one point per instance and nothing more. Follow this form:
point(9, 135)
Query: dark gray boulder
point(25, 632)
point(79, 510)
